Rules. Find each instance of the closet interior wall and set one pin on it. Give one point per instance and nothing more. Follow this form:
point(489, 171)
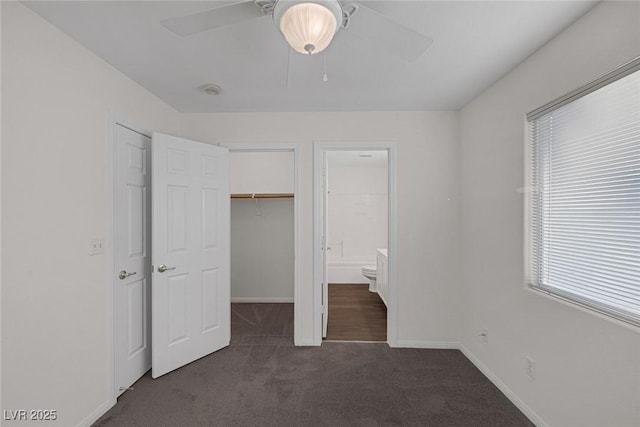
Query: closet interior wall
point(262, 226)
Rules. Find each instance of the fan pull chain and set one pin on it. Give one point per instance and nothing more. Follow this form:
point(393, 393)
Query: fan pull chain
point(288, 67)
point(325, 78)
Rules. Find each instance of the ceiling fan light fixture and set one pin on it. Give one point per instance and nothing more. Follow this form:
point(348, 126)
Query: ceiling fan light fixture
point(308, 25)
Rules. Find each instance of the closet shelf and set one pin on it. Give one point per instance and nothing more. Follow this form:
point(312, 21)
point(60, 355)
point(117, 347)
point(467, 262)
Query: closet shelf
point(263, 196)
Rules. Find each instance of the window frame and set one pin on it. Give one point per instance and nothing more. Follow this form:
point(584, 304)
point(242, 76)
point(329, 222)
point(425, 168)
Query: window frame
point(529, 259)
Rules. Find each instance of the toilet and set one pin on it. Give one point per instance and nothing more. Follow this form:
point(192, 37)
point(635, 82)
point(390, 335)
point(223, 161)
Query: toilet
point(369, 271)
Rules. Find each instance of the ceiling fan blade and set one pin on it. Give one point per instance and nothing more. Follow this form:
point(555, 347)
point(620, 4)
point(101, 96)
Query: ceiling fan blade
point(213, 18)
point(384, 33)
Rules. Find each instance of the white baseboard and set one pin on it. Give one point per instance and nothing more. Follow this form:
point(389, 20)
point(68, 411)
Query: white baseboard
point(95, 415)
point(528, 412)
point(442, 345)
point(305, 343)
point(262, 300)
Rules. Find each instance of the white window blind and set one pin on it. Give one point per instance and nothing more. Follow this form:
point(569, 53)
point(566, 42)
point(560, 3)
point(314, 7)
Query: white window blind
point(584, 203)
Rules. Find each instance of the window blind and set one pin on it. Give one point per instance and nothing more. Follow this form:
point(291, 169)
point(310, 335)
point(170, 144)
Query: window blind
point(584, 203)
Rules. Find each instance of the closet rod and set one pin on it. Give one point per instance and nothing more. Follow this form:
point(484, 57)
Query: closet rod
point(263, 196)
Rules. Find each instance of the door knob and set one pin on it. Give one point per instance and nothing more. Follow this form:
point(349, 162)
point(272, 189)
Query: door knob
point(162, 268)
point(123, 274)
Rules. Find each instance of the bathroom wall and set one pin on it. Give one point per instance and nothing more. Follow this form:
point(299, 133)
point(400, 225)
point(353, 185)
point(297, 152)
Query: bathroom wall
point(357, 217)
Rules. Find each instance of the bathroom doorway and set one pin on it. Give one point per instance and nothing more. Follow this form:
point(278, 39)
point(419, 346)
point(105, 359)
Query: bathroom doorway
point(355, 208)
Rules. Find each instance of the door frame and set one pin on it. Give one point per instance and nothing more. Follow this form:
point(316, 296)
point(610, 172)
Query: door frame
point(235, 147)
point(113, 120)
point(319, 149)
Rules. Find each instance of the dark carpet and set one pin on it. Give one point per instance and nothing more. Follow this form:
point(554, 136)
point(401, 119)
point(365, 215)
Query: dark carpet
point(261, 379)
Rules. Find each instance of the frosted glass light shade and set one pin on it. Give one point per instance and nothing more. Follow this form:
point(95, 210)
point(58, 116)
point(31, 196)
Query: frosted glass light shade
point(309, 27)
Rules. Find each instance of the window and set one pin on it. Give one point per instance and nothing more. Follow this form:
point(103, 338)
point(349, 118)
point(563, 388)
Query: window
point(584, 199)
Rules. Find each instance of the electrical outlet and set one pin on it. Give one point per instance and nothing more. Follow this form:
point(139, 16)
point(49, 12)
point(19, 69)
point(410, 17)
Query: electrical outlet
point(96, 246)
point(530, 368)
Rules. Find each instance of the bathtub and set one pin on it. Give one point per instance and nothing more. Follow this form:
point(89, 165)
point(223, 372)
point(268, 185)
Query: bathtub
point(348, 270)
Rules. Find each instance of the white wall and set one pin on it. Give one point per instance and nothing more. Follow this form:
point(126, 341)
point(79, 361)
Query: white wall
point(1, 116)
point(427, 202)
point(56, 99)
point(357, 220)
point(261, 172)
point(262, 256)
point(357, 212)
point(54, 194)
point(588, 368)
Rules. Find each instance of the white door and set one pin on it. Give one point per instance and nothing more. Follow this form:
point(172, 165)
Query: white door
point(325, 245)
point(190, 285)
point(132, 256)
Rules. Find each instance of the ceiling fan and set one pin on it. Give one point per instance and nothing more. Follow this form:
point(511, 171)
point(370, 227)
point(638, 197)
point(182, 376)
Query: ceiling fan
point(309, 25)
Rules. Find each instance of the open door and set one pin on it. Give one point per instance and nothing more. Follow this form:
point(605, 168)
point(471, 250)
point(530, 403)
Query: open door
point(190, 251)
point(132, 256)
point(325, 245)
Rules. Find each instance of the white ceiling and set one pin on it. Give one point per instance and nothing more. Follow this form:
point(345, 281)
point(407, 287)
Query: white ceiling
point(475, 43)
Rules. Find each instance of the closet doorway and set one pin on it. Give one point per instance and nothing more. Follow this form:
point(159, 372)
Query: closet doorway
point(354, 265)
point(264, 242)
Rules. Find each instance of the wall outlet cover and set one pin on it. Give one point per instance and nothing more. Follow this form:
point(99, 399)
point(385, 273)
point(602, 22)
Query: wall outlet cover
point(484, 335)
